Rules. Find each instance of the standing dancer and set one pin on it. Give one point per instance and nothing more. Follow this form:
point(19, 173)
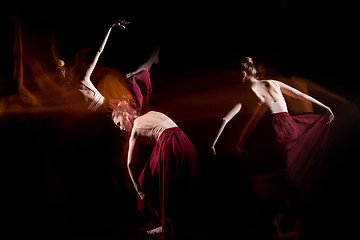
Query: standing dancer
point(272, 141)
point(269, 93)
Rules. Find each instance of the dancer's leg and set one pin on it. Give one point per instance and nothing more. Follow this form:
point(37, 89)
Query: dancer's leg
point(153, 59)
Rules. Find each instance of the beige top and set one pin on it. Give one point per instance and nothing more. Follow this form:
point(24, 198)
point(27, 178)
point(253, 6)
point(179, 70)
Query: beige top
point(280, 105)
point(162, 126)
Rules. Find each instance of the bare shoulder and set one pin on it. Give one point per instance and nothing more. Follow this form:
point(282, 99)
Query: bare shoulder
point(263, 84)
point(149, 119)
point(270, 83)
point(157, 115)
point(144, 121)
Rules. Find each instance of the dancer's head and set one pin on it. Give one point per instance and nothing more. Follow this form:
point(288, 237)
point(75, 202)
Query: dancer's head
point(123, 114)
point(247, 68)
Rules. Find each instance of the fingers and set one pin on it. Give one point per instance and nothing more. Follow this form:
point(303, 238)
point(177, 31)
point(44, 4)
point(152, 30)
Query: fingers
point(213, 148)
point(330, 119)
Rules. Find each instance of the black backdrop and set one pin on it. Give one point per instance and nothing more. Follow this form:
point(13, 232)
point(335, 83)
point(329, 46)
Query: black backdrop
point(313, 40)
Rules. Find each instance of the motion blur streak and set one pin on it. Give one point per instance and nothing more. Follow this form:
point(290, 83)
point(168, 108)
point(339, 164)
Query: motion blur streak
point(43, 83)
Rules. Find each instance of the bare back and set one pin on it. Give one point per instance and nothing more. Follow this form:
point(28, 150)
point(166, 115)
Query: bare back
point(267, 91)
point(152, 124)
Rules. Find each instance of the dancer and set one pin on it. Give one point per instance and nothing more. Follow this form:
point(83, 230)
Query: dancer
point(269, 93)
point(169, 181)
point(139, 83)
point(259, 96)
point(139, 80)
point(272, 141)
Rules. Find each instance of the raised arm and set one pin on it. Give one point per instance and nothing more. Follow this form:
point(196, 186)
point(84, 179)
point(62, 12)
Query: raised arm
point(87, 88)
point(226, 119)
point(292, 92)
point(120, 23)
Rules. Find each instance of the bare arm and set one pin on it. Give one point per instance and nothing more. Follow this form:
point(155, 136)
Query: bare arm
point(87, 88)
point(292, 92)
point(120, 23)
point(226, 119)
point(131, 164)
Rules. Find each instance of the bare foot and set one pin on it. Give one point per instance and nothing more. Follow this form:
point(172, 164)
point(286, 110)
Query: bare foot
point(154, 231)
point(155, 56)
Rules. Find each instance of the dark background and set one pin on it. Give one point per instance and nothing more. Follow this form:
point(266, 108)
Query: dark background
point(308, 37)
point(316, 40)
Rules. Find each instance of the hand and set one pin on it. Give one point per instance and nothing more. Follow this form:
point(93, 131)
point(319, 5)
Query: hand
point(141, 195)
point(121, 23)
point(330, 116)
point(213, 148)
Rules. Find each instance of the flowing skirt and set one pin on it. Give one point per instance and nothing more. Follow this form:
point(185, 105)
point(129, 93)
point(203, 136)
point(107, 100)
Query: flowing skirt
point(171, 178)
point(287, 143)
point(304, 139)
point(286, 157)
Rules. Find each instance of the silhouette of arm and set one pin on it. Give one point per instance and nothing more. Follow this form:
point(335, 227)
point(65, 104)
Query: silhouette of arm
point(226, 119)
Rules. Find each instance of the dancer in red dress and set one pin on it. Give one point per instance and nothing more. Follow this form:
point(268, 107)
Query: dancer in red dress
point(169, 182)
point(273, 144)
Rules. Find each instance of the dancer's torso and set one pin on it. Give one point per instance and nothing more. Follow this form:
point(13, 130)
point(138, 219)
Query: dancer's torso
point(269, 93)
point(153, 124)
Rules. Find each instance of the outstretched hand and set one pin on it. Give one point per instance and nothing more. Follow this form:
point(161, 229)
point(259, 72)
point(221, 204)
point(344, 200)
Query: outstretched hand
point(330, 116)
point(121, 23)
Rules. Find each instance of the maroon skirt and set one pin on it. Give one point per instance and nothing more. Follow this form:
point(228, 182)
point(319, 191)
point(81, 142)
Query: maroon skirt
point(287, 152)
point(170, 178)
point(286, 142)
point(304, 138)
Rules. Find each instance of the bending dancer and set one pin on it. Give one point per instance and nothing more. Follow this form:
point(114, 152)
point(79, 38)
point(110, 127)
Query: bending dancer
point(169, 180)
point(276, 142)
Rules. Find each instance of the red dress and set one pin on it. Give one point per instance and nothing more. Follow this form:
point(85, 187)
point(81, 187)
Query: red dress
point(283, 142)
point(303, 138)
point(285, 157)
point(170, 179)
